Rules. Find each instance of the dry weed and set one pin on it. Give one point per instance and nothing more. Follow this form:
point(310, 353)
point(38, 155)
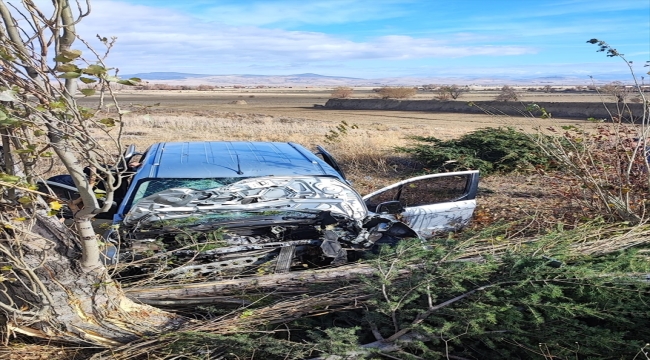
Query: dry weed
point(369, 160)
point(223, 127)
point(401, 92)
point(366, 154)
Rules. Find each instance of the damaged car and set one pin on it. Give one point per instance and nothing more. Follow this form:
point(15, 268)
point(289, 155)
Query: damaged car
point(215, 208)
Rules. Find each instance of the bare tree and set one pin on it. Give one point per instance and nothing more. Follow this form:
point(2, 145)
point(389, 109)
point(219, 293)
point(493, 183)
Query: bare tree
point(53, 282)
point(456, 91)
point(401, 92)
point(548, 89)
point(617, 90)
point(507, 93)
point(342, 92)
point(443, 94)
point(203, 87)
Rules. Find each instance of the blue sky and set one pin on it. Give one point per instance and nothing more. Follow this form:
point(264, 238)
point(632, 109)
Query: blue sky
point(374, 38)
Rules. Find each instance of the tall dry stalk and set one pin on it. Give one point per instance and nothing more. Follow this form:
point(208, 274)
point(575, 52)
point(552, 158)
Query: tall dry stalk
point(608, 168)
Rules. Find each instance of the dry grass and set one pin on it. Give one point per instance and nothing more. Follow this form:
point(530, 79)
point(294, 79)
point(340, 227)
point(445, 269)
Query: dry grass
point(366, 154)
point(26, 351)
point(146, 129)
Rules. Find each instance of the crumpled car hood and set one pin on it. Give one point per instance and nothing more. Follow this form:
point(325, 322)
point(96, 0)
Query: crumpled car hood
point(294, 193)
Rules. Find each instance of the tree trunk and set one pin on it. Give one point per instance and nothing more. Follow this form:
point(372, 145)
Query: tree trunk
point(53, 298)
point(230, 291)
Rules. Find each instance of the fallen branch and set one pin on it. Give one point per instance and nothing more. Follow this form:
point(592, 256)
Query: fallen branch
point(291, 283)
point(601, 241)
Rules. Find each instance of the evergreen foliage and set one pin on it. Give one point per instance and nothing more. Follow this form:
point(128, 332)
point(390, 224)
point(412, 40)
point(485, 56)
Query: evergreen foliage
point(541, 301)
point(489, 150)
point(198, 345)
point(588, 307)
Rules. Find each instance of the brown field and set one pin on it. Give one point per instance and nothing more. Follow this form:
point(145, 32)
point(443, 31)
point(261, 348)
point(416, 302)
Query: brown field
point(290, 115)
point(299, 104)
point(366, 154)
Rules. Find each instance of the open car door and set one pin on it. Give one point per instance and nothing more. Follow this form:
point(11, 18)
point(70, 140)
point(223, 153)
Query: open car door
point(429, 204)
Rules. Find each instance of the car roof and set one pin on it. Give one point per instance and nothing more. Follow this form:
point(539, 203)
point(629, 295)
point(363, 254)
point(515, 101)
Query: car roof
point(220, 159)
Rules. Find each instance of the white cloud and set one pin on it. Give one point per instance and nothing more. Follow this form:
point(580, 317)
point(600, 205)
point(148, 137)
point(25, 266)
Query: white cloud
point(564, 7)
point(156, 39)
point(283, 12)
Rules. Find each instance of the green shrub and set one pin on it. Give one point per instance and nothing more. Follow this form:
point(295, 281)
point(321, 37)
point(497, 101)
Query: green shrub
point(489, 150)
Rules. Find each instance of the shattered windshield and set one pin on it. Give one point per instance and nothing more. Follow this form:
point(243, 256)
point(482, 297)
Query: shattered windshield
point(233, 198)
point(149, 187)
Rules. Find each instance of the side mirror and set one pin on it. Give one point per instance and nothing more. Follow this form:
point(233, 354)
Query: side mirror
point(129, 153)
point(329, 159)
point(390, 207)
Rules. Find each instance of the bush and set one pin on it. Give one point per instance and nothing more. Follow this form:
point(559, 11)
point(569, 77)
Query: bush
point(507, 94)
point(548, 89)
point(489, 150)
point(605, 169)
point(453, 91)
point(203, 87)
point(617, 90)
point(456, 91)
point(341, 92)
point(443, 94)
point(387, 92)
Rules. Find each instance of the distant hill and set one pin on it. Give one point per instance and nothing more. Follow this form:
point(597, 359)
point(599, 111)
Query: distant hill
point(311, 75)
point(181, 76)
point(307, 79)
point(311, 79)
point(164, 76)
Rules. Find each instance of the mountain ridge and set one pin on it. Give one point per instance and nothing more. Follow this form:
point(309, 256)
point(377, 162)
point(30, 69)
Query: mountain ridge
point(312, 79)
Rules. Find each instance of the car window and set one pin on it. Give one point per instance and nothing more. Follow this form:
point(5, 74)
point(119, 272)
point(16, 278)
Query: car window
point(384, 196)
point(433, 190)
point(427, 191)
